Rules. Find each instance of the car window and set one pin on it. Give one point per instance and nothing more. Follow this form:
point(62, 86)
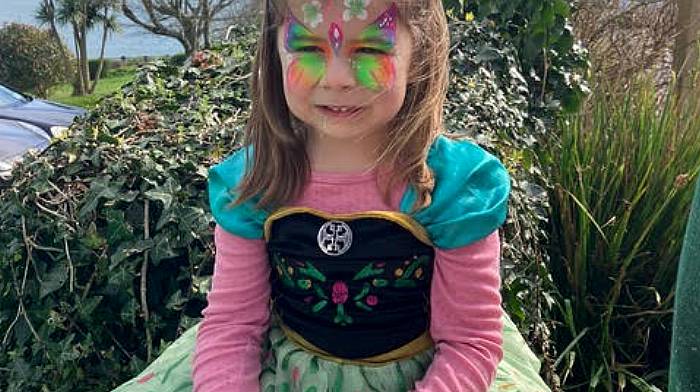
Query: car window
point(9, 97)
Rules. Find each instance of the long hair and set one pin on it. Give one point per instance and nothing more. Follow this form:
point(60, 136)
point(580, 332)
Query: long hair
point(280, 168)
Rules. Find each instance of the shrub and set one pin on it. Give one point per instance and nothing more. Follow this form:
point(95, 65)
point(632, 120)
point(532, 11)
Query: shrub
point(107, 240)
point(30, 59)
point(178, 60)
point(620, 204)
point(550, 59)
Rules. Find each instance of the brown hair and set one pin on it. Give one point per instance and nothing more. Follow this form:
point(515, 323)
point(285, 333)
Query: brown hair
point(280, 167)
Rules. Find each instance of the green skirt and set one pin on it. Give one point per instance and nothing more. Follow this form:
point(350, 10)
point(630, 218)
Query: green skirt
point(288, 367)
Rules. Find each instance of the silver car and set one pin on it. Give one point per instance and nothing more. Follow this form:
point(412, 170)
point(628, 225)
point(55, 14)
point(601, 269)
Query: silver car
point(16, 139)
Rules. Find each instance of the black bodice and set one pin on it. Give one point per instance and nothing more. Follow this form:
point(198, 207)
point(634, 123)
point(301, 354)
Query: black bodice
point(362, 292)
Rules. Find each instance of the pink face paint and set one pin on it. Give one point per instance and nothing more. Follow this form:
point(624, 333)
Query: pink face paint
point(335, 36)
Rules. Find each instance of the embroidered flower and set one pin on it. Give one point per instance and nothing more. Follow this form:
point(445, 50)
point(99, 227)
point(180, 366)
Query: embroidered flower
point(355, 9)
point(372, 300)
point(312, 13)
point(340, 292)
point(295, 374)
point(146, 378)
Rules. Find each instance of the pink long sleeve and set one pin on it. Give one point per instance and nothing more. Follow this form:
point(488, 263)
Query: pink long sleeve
point(228, 347)
point(465, 318)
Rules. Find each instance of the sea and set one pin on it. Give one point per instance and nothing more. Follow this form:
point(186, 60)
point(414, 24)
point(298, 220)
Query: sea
point(131, 41)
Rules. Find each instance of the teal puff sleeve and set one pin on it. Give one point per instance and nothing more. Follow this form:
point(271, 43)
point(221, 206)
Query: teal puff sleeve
point(244, 220)
point(470, 198)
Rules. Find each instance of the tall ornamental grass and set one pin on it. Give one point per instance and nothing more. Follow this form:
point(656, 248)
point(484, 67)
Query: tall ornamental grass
point(623, 172)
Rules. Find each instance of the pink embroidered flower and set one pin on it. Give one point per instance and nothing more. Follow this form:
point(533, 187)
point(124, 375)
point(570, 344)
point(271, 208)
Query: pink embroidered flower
point(340, 292)
point(145, 378)
point(295, 374)
point(372, 300)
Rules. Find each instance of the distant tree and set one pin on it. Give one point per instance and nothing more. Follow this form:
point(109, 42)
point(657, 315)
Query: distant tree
point(30, 59)
point(685, 56)
point(82, 16)
point(188, 21)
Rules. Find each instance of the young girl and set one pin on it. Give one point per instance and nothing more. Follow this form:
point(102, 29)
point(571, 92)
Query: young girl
point(357, 248)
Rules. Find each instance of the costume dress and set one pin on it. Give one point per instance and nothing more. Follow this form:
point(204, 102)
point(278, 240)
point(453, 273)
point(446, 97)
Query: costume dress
point(361, 298)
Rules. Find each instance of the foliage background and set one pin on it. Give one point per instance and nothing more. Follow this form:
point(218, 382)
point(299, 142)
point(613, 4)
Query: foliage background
point(96, 225)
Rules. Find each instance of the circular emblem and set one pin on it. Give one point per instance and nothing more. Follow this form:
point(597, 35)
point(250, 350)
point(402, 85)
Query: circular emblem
point(334, 238)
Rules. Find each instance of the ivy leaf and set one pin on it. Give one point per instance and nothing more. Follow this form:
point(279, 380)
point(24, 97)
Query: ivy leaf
point(129, 249)
point(53, 280)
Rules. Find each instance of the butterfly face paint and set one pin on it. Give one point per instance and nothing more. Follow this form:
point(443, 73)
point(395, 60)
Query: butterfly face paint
point(308, 66)
point(370, 54)
point(374, 68)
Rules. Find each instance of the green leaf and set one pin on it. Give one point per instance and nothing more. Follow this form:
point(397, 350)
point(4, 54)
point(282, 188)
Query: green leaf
point(128, 249)
point(53, 280)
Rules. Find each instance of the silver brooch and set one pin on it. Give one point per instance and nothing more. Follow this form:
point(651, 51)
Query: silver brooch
point(334, 238)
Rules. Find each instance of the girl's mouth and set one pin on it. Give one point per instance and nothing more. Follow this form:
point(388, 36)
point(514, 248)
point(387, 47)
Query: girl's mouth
point(339, 111)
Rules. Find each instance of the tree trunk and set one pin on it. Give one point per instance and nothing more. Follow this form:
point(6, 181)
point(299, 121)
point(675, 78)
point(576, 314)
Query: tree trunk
point(84, 58)
point(206, 28)
point(98, 74)
point(79, 85)
point(685, 56)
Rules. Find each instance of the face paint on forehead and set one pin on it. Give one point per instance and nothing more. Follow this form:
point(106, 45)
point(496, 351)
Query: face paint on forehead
point(371, 52)
point(335, 36)
point(383, 28)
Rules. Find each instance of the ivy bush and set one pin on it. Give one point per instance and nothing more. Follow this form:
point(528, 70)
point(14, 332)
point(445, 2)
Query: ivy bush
point(107, 236)
point(488, 101)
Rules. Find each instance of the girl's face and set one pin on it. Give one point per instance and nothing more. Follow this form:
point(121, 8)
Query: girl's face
point(345, 65)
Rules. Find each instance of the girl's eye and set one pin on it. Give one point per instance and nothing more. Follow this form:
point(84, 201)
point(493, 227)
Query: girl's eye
point(369, 50)
point(309, 49)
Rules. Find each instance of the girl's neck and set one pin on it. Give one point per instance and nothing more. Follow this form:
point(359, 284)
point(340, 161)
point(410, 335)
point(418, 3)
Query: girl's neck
point(344, 155)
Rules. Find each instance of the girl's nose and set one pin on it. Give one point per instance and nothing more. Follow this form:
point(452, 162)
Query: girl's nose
point(339, 74)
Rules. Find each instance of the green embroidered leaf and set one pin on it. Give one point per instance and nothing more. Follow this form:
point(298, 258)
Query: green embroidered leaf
point(368, 271)
point(284, 387)
point(304, 284)
point(311, 389)
point(401, 378)
point(361, 305)
point(404, 283)
point(338, 383)
point(312, 272)
point(365, 291)
point(341, 310)
point(287, 358)
point(411, 268)
point(319, 306)
point(313, 366)
point(319, 292)
point(380, 282)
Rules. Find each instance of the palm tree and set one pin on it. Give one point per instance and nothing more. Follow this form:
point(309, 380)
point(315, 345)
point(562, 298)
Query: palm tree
point(82, 16)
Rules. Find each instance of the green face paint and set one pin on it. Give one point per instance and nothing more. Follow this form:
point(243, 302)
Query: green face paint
point(371, 55)
point(372, 63)
point(309, 64)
